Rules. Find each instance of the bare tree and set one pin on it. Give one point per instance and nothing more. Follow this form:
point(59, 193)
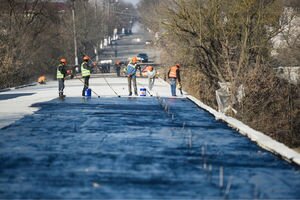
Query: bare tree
point(35, 34)
point(23, 25)
point(231, 41)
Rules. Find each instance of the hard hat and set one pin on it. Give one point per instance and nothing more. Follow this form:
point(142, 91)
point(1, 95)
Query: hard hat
point(86, 58)
point(150, 68)
point(63, 60)
point(134, 59)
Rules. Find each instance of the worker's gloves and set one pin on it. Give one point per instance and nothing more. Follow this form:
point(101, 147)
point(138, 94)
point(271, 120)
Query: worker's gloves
point(179, 86)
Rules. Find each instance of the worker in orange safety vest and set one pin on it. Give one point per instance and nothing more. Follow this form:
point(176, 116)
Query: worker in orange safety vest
point(174, 76)
point(42, 79)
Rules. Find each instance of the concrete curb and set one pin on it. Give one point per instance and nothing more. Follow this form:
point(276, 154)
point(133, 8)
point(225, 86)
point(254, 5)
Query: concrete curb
point(259, 138)
point(27, 85)
point(5, 90)
point(18, 87)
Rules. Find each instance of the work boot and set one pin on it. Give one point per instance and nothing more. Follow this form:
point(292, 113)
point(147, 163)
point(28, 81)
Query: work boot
point(130, 94)
point(61, 95)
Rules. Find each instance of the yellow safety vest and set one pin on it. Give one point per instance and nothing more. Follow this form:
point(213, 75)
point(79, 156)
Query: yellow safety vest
point(59, 75)
point(85, 72)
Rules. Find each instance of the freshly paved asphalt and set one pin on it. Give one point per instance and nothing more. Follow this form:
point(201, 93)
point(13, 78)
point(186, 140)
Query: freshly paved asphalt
point(124, 148)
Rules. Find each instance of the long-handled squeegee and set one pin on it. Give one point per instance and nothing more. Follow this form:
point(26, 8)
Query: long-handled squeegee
point(111, 88)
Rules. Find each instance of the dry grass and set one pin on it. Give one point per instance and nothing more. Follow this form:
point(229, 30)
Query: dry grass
point(271, 106)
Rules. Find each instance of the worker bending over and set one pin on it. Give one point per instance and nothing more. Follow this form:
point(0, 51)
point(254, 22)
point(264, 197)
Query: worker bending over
point(42, 80)
point(151, 73)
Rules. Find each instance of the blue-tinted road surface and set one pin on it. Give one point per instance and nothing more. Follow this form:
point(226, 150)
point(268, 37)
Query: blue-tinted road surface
point(135, 148)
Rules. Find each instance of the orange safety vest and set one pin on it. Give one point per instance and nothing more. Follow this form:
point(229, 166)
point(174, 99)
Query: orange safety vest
point(173, 72)
point(42, 79)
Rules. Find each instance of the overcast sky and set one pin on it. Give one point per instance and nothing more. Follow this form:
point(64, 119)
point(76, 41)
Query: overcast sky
point(132, 1)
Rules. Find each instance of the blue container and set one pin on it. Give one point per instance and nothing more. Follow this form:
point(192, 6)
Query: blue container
point(143, 92)
point(88, 92)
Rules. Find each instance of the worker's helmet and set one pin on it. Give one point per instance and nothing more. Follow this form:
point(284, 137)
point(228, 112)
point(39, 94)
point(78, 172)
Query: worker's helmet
point(86, 58)
point(63, 60)
point(134, 60)
point(150, 68)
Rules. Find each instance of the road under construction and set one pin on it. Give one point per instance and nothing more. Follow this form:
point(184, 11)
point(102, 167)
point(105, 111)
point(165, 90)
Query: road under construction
point(154, 147)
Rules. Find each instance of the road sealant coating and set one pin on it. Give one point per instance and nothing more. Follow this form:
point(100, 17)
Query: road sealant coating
point(137, 148)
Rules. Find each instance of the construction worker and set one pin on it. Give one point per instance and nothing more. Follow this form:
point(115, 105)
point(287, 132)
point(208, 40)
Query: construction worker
point(174, 76)
point(60, 75)
point(138, 67)
point(130, 71)
point(42, 79)
point(118, 67)
point(151, 73)
point(86, 73)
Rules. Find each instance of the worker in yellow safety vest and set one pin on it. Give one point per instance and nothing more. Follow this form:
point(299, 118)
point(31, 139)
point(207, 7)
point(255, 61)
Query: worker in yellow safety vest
point(60, 75)
point(86, 73)
point(174, 76)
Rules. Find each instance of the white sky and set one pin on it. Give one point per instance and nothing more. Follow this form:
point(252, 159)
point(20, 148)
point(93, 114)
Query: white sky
point(132, 1)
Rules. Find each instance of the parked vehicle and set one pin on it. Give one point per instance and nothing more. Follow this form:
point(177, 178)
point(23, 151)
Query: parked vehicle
point(148, 42)
point(142, 57)
point(113, 42)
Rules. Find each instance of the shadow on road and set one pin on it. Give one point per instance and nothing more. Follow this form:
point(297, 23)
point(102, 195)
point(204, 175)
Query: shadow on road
point(12, 96)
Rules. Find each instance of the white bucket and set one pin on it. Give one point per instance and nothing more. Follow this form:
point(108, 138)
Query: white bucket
point(143, 92)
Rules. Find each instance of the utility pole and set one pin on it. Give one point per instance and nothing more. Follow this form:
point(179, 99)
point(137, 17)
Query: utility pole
point(109, 18)
point(96, 46)
point(96, 7)
point(111, 12)
point(85, 23)
point(74, 33)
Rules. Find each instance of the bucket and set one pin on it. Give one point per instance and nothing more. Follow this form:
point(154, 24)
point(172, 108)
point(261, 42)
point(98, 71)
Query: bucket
point(88, 92)
point(143, 92)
